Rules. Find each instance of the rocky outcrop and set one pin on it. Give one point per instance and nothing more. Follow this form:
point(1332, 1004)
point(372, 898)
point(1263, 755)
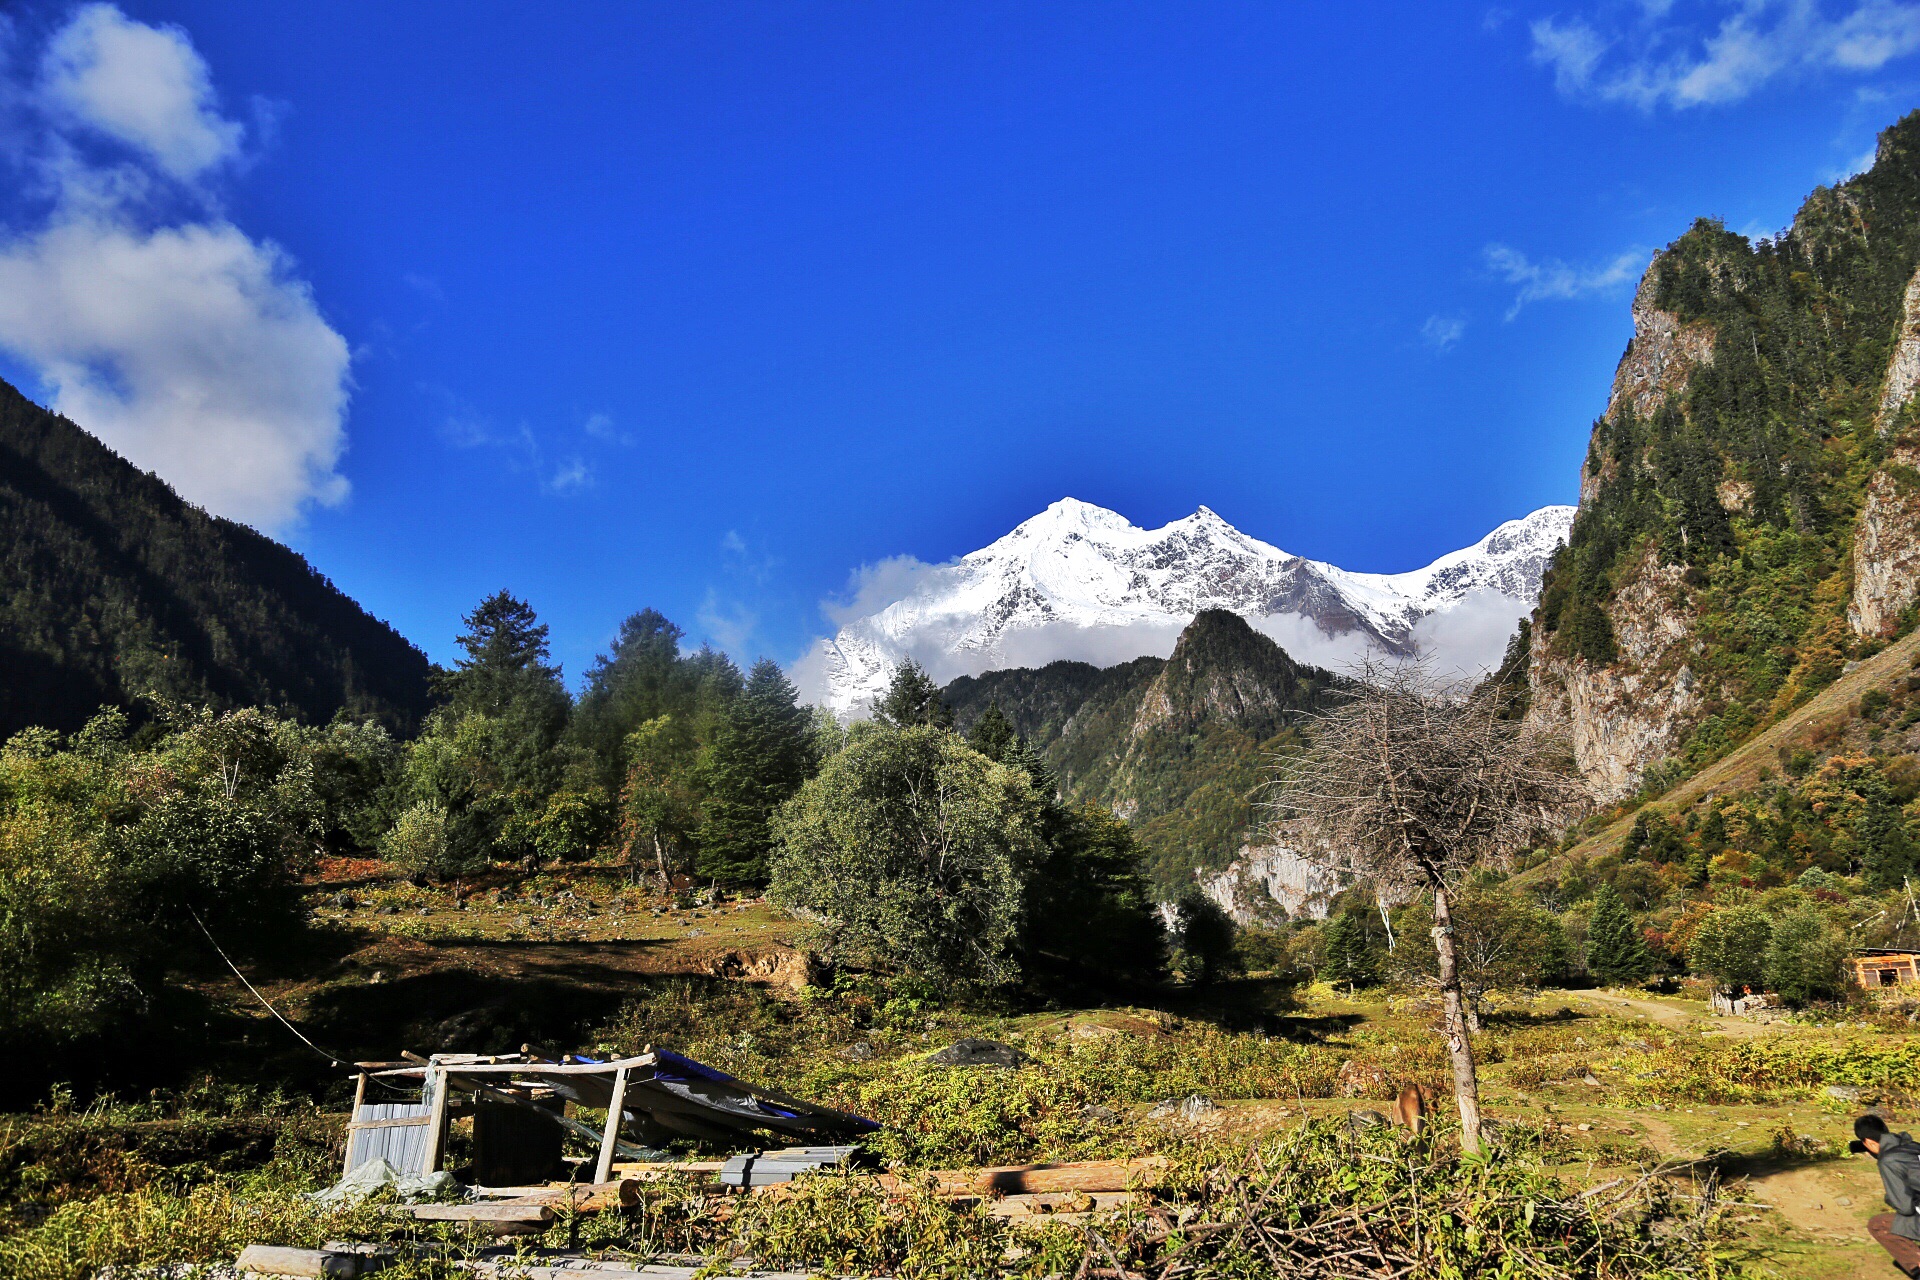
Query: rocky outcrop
point(1903, 371)
point(1222, 669)
point(1663, 354)
point(1270, 883)
point(1886, 547)
point(1886, 542)
point(1625, 715)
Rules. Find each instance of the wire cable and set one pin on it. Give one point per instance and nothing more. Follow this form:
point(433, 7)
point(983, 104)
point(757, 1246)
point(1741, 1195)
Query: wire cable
point(333, 1060)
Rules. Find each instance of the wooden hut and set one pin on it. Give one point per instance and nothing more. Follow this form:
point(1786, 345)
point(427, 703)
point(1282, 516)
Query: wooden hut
point(1875, 968)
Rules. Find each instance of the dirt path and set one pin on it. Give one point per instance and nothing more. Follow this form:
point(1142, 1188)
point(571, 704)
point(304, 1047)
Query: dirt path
point(1668, 1015)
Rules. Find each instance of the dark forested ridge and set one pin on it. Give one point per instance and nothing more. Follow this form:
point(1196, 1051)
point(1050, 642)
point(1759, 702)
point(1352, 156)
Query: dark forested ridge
point(112, 586)
point(1176, 745)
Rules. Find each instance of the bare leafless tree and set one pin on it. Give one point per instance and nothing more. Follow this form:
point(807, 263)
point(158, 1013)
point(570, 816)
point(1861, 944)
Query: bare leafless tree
point(1411, 783)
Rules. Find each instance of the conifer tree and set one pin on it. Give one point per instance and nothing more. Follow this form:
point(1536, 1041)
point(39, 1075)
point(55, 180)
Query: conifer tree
point(912, 699)
point(992, 735)
point(1886, 853)
point(1347, 954)
point(762, 753)
point(1616, 951)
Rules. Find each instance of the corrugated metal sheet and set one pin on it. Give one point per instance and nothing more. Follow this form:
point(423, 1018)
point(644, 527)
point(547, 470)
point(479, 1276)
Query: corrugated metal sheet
point(402, 1145)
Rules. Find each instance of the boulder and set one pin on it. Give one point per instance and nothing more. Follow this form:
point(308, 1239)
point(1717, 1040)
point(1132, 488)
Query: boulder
point(973, 1052)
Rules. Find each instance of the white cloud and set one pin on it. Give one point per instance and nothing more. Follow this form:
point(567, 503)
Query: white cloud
point(730, 623)
point(570, 476)
point(1552, 278)
point(192, 351)
point(872, 587)
point(185, 344)
point(1441, 332)
point(732, 541)
point(1469, 639)
point(144, 86)
point(1656, 62)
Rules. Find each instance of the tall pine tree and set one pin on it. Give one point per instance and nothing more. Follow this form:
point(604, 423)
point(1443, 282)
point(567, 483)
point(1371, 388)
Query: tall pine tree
point(1616, 950)
point(1347, 953)
point(992, 734)
point(912, 699)
point(761, 754)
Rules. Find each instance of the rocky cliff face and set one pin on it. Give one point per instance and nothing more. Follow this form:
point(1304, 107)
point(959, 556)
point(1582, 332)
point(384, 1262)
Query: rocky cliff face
point(1749, 513)
point(1269, 884)
point(1886, 545)
point(1626, 714)
point(1662, 356)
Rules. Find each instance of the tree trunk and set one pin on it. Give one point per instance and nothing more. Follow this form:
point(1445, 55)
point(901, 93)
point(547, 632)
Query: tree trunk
point(660, 860)
point(1466, 1084)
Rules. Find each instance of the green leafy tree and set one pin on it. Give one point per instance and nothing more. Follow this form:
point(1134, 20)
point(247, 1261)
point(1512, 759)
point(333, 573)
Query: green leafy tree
point(1348, 957)
point(659, 803)
point(914, 851)
point(1805, 957)
point(1503, 944)
point(115, 848)
point(1616, 949)
point(763, 752)
point(912, 698)
point(643, 677)
point(1730, 945)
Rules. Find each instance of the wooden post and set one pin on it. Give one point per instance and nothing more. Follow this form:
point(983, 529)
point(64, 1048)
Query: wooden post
point(603, 1171)
point(353, 1116)
point(437, 1120)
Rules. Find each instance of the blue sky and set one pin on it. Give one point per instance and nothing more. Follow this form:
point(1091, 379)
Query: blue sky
point(704, 307)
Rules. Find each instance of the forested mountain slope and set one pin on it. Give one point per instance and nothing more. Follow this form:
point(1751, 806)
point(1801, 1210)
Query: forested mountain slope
point(1748, 521)
point(111, 586)
point(1176, 745)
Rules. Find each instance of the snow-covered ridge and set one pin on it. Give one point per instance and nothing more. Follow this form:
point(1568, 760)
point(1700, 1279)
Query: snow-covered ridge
point(1079, 581)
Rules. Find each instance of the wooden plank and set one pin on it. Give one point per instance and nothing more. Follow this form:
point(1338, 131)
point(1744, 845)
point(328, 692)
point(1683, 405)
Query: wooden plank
point(581, 1197)
point(359, 1100)
point(535, 1070)
point(436, 1128)
point(528, 1213)
point(404, 1122)
point(610, 1136)
point(1051, 1203)
point(278, 1260)
point(656, 1170)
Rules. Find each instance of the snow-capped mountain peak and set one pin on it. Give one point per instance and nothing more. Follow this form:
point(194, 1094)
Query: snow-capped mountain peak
point(1080, 581)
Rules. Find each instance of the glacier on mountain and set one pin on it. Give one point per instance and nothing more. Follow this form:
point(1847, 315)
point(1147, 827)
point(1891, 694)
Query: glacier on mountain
point(1078, 581)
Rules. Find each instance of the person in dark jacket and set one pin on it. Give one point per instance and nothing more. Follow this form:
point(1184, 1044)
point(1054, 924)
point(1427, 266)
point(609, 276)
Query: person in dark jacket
point(1898, 1156)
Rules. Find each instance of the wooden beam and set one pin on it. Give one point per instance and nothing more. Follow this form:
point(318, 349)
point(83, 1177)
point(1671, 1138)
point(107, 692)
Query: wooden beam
point(581, 1197)
point(534, 1070)
point(610, 1136)
point(278, 1260)
point(538, 1214)
point(359, 1097)
point(399, 1122)
point(436, 1122)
